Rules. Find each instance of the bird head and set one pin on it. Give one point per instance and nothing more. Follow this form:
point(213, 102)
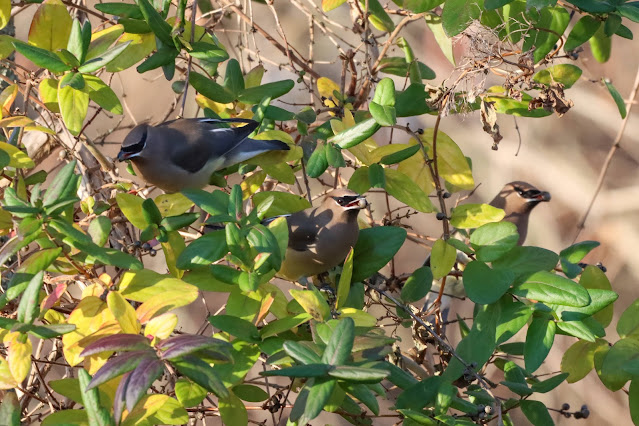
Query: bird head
point(346, 200)
point(134, 142)
point(519, 197)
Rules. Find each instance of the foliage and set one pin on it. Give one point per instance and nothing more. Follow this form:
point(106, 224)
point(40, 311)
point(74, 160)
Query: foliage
point(82, 282)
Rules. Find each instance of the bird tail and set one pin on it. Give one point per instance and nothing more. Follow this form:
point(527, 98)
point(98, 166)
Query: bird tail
point(250, 148)
point(267, 145)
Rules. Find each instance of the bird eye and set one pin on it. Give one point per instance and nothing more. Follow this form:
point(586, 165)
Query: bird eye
point(519, 191)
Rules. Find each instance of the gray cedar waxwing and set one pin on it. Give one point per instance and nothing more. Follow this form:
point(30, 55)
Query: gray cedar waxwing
point(320, 238)
point(184, 153)
point(517, 199)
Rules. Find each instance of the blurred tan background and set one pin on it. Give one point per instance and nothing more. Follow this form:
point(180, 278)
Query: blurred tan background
point(561, 155)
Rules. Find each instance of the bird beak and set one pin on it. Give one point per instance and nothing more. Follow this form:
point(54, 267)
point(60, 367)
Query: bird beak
point(539, 197)
point(122, 156)
point(357, 204)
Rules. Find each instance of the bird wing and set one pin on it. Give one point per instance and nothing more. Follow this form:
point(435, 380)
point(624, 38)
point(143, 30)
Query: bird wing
point(302, 231)
point(206, 140)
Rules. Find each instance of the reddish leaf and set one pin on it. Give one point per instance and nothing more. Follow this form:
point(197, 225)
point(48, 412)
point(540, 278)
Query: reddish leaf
point(117, 342)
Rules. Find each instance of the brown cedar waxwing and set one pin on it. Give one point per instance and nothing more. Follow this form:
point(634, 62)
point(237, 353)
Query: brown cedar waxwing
point(517, 199)
point(184, 153)
point(320, 238)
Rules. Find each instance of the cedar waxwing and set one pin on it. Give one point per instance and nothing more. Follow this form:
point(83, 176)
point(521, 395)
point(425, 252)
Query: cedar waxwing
point(320, 238)
point(184, 153)
point(517, 199)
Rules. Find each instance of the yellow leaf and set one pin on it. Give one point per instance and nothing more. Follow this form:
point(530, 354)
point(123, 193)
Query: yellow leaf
point(6, 379)
point(451, 162)
point(377, 154)
point(74, 105)
point(123, 313)
point(218, 108)
point(172, 204)
point(141, 46)
point(7, 97)
point(361, 318)
point(252, 184)
point(39, 129)
point(16, 121)
point(161, 326)
point(172, 249)
point(275, 135)
point(313, 303)
point(48, 90)
point(417, 170)
point(51, 26)
point(19, 356)
point(265, 306)
point(19, 159)
point(102, 40)
point(94, 362)
point(96, 289)
point(6, 46)
point(326, 87)
point(88, 316)
point(145, 284)
point(147, 406)
point(164, 302)
point(5, 12)
point(328, 5)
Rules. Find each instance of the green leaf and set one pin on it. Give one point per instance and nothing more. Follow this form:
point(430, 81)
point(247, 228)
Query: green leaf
point(358, 133)
point(363, 393)
point(539, 340)
point(475, 215)
point(318, 396)
point(99, 230)
point(283, 203)
point(254, 95)
point(67, 417)
point(234, 80)
point(344, 285)
point(600, 290)
point(131, 207)
point(442, 258)
point(536, 413)
point(163, 57)
point(549, 384)
point(493, 240)
point(553, 21)
point(383, 115)
point(358, 374)
point(458, 14)
point(612, 373)
point(399, 156)
point(204, 251)
point(318, 161)
point(585, 28)
point(378, 16)
point(628, 324)
point(104, 59)
point(417, 285)
point(512, 317)
point(526, 260)
point(385, 92)
point(41, 57)
point(188, 393)
point(10, 406)
point(96, 414)
point(250, 393)
point(405, 190)
point(340, 346)
point(301, 353)
point(578, 360)
point(209, 52)
point(616, 96)
point(236, 327)
point(485, 285)
point(210, 89)
point(100, 93)
point(412, 101)
point(201, 373)
point(376, 176)
point(124, 10)
point(633, 401)
point(629, 10)
point(73, 107)
point(551, 288)
point(600, 45)
point(62, 186)
point(566, 74)
point(369, 256)
point(420, 394)
point(233, 411)
point(29, 307)
point(160, 27)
